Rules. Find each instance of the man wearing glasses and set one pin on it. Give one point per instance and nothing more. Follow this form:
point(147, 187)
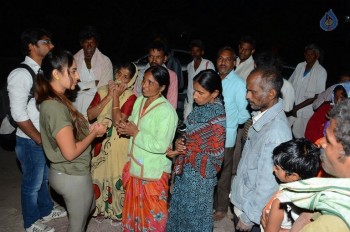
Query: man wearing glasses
point(37, 205)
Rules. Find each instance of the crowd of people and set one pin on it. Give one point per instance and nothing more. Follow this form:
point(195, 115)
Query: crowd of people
point(275, 151)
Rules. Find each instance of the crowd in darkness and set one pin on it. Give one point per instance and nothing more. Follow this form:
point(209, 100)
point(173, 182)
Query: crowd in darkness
point(126, 30)
point(252, 137)
point(245, 138)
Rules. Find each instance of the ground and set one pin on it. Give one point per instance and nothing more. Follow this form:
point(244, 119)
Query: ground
point(10, 204)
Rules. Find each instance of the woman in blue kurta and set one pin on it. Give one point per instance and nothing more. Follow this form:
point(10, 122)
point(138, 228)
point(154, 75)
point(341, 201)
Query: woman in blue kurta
point(199, 158)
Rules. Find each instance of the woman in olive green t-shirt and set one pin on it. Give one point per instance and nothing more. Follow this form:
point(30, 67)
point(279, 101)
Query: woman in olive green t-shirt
point(66, 137)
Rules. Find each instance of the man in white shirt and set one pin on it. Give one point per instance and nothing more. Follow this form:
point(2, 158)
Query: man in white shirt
point(308, 79)
point(35, 197)
point(95, 69)
point(245, 61)
point(193, 68)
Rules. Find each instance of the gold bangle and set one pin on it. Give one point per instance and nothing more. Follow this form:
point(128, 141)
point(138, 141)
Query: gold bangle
point(98, 106)
point(116, 107)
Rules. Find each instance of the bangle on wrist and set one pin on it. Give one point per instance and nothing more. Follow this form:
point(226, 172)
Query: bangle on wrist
point(116, 107)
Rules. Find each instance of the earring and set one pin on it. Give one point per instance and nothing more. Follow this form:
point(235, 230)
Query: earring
point(56, 77)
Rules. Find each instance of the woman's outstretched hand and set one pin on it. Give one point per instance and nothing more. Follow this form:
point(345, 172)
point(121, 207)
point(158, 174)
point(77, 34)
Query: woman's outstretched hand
point(98, 128)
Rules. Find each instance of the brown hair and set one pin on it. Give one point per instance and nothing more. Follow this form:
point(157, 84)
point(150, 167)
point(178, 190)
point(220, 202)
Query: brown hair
point(43, 90)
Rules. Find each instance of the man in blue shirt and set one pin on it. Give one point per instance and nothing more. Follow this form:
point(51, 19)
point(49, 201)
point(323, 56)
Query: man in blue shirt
point(254, 183)
point(234, 90)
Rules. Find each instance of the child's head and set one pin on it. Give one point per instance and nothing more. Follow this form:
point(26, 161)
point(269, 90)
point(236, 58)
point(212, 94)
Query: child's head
point(296, 159)
point(339, 94)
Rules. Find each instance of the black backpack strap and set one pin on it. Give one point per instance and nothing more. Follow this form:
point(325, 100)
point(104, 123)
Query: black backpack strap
point(32, 73)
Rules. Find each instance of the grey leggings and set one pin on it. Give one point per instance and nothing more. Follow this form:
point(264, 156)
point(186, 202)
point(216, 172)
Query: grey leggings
point(78, 195)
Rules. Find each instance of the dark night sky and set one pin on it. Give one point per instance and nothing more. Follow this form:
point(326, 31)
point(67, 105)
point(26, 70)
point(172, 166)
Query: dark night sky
point(285, 26)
